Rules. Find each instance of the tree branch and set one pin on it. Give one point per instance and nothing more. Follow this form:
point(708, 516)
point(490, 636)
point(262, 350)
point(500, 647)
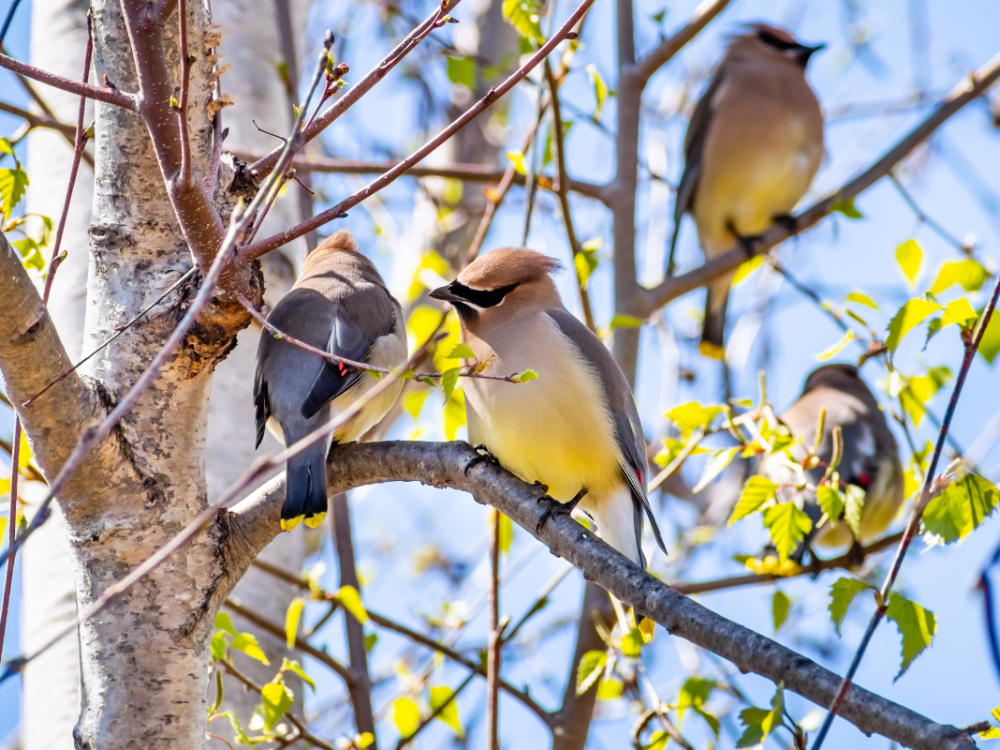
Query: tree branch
point(666, 50)
point(255, 522)
point(100, 93)
point(979, 82)
point(36, 120)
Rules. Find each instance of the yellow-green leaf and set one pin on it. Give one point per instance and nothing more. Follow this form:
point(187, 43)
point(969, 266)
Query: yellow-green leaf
point(959, 311)
point(600, 89)
point(222, 622)
point(609, 689)
point(413, 402)
point(831, 500)
point(506, 533)
point(351, 601)
point(989, 347)
point(631, 643)
point(854, 504)
point(590, 668)
point(219, 645)
point(909, 256)
point(746, 268)
point(524, 376)
point(276, 698)
point(449, 379)
point(788, 526)
point(462, 70)
point(862, 299)
point(12, 185)
point(969, 273)
point(288, 665)
point(692, 415)
point(406, 716)
point(959, 509)
point(780, 607)
point(462, 351)
point(292, 617)
point(444, 696)
point(916, 625)
point(847, 208)
point(757, 491)
point(585, 263)
point(714, 467)
point(517, 159)
point(620, 320)
point(246, 643)
point(842, 593)
point(844, 341)
point(523, 15)
point(909, 316)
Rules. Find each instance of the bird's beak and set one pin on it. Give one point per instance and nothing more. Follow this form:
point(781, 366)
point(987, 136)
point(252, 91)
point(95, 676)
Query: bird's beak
point(806, 52)
point(445, 294)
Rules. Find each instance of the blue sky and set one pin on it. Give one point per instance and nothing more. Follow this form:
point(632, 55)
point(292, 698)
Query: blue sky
point(955, 180)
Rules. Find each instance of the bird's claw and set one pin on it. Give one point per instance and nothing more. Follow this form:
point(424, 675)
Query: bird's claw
point(748, 242)
point(787, 222)
point(555, 508)
point(482, 455)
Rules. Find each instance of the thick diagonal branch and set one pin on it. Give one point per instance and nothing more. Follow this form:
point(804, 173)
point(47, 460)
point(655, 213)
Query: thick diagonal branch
point(255, 522)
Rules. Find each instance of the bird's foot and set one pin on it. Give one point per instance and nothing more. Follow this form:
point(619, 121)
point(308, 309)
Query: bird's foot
point(555, 508)
point(855, 555)
point(483, 455)
point(788, 222)
point(748, 242)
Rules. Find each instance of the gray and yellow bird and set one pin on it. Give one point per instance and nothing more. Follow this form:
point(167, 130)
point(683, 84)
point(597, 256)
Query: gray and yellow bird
point(341, 305)
point(869, 454)
point(752, 148)
point(575, 429)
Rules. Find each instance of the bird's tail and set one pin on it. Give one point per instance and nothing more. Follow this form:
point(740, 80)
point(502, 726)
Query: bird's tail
point(713, 332)
point(305, 489)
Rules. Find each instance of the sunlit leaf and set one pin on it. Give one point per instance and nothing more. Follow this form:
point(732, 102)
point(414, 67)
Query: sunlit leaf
point(351, 601)
point(517, 159)
point(921, 389)
point(222, 622)
point(276, 698)
point(959, 311)
point(506, 533)
point(694, 694)
point(620, 320)
point(781, 605)
point(413, 402)
point(746, 268)
point(589, 669)
point(862, 299)
point(692, 415)
point(585, 263)
point(219, 645)
point(788, 526)
point(600, 89)
point(406, 716)
point(847, 208)
point(292, 617)
point(462, 70)
point(968, 272)
point(524, 376)
point(632, 642)
point(916, 625)
point(523, 15)
point(288, 665)
point(461, 351)
point(959, 509)
point(842, 593)
point(12, 185)
point(831, 500)
point(241, 735)
point(909, 315)
point(449, 379)
point(442, 696)
point(854, 504)
point(714, 467)
point(844, 341)
point(989, 346)
point(909, 256)
point(247, 643)
point(757, 491)
point(609, 689)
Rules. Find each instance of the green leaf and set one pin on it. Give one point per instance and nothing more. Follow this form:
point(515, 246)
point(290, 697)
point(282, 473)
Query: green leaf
point(6, 147)
point(916, 626)
point(989, 346)
point(547, 153)
point(620, 320)
point(351, 601)
point(517, 159)
point(214, 708)
point(862, 299)
point(831, 500)
point(844, 341)
point(413, 402)
point(846, 207)
point(246, 643)
point(959, 311)
point(842, 593)
point(585, 263)
point(241, 736)
point(292, 617)
point(780, 606)
point(959, 509)
point(631, 643)
point(921, 389)
point(909, 315)
point(277, 698)
point(589, 669)
point(443, 696)
point(760, 722)
point(523, 15)
point(710, 720)
point(695, 693)
point(462, 351)
point(506, 533)
point(969, 273)
point(462, 70)
point(12, 185)
point(406, 716)
point(288, 665)
point(449, 379)
point(370, 640)
point(788, 526)
point(609, 689)
point(909, 256)
point(757, 491)
point(524, 376)
point(600, 89)
point(692, 415)
point(853, 506)
point(715, 465)
point(222, 622)
point(658, 17)
point(219, 645)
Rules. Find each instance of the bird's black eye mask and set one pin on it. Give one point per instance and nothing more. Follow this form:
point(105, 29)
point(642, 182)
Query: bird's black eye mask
point(481, 298)
point(777, 42)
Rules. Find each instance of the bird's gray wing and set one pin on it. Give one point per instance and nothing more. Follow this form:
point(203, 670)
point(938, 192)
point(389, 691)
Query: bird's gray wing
point(628, 428)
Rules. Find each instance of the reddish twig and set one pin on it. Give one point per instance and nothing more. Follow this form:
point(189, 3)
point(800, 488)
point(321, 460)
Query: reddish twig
point(338, 211)
point(913, 524)
point(495, 646)
point(100, 93)
point(15, 457)
point(185, 170)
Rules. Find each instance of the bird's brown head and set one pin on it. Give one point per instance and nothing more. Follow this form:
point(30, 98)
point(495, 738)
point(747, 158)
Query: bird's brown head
point(341, 241)
point(507, 278)
point(840, 377)
point(764, 40)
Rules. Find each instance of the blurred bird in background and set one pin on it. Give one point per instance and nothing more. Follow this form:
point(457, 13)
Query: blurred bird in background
point(752, 148)
point(869, 456)
point(340, 304)
point(575, 429)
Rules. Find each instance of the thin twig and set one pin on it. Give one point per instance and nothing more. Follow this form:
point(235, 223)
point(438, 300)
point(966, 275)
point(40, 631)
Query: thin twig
point(493, 653)
point(36, 120)
point(15, 456)
point(925, 219)
point(338, 211)
point(100, 93)
point(185, 175)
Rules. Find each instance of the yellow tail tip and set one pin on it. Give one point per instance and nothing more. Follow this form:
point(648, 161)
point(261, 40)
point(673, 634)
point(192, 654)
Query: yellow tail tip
point(314, 522)
point(712, 351)
point(287, 524)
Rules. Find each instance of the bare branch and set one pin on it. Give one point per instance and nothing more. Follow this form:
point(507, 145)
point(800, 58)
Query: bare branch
point(256, 520)
point(666, 50)
point(338, 211)
point(38, 121)
point(977, 84)
point(495, 646)
point(100, 93)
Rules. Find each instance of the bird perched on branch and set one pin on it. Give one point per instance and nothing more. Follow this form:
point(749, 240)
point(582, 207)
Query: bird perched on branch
point(752, 148)
point(341, 305)
point(869, 456)
point(575, 428)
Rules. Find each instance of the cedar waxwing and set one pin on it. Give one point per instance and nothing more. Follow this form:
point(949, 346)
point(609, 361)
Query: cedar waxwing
point(575, 428)
point(339, 304)
point(869, 454)
point(752, 148)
